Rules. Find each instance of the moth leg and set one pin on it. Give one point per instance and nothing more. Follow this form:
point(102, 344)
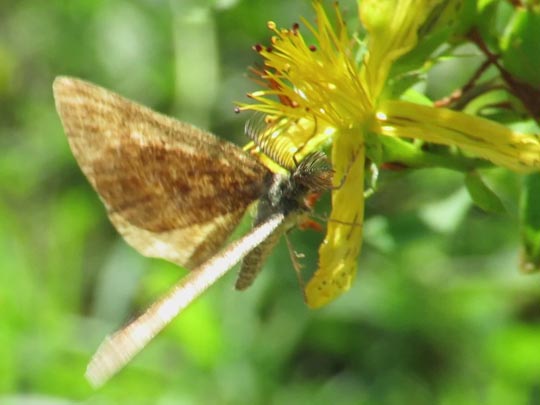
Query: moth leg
point(326, 218)
point(296, 264)
point(347, 171)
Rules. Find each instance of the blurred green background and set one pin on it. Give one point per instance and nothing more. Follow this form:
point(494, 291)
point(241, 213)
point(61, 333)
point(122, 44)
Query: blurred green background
point(439, 312)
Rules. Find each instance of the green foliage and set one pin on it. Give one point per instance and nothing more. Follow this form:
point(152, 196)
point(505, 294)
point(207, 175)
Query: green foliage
point(438, 313)
point(521, 48)
point(530, 215)
point(482, 195)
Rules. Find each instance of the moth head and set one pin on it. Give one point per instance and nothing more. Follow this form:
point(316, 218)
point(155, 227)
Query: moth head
point(311, 177)
point(314, 174)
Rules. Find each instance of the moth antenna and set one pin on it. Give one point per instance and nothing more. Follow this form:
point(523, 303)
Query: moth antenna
point(269, 133)
point(325, 218)
point(264, 131)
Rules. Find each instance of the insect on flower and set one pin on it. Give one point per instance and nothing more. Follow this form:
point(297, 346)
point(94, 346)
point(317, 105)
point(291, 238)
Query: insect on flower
point(176, 192)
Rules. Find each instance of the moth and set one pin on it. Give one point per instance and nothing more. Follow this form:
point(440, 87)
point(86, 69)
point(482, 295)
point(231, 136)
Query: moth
point(176, 192)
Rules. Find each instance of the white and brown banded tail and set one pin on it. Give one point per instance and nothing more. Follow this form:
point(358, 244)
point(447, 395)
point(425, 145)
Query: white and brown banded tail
point(118, 349)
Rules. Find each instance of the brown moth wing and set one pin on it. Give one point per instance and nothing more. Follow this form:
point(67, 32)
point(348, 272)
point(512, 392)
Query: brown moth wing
point(171, 190)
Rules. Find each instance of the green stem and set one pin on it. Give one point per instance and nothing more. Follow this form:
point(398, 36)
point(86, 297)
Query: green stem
point(410, 155)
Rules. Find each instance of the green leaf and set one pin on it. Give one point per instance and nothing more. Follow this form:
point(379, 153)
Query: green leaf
point(455, 15)
point(482, 195)
point(530, 224)
point(521, 47)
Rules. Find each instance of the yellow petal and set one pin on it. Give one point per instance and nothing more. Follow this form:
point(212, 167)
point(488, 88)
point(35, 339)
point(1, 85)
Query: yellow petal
point(486, 139)
point(341, 247)
point(392, 26)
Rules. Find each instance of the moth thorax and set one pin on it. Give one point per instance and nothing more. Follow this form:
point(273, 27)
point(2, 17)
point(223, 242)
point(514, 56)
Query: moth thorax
point(280, 197)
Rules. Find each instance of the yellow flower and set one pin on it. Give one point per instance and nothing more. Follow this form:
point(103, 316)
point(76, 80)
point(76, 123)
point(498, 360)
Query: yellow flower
point(320, 94)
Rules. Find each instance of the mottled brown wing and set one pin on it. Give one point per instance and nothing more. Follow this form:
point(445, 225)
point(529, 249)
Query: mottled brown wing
point(171, 190)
